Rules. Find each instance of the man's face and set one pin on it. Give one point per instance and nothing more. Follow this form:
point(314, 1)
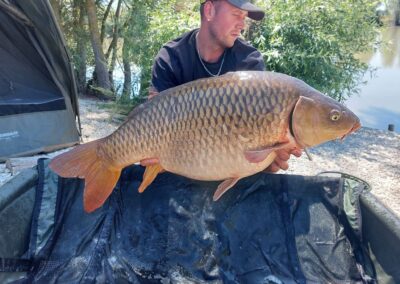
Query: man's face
point(227, 23)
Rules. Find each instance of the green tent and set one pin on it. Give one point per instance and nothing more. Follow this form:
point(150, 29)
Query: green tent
point(38, 95)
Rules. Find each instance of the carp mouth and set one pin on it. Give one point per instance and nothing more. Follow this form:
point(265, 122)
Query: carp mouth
point(356, 126)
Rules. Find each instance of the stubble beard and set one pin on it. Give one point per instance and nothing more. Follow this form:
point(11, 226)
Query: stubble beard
point(221, 42)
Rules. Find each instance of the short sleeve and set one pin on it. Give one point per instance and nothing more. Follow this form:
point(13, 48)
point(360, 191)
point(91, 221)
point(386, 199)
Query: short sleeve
point(163, 73)
point(247, 57)
point(253, 62)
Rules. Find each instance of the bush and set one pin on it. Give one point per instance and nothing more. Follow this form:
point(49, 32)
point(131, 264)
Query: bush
point(317, 41)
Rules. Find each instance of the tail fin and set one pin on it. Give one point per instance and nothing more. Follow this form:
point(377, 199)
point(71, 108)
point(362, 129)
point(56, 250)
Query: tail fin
point(84, 162)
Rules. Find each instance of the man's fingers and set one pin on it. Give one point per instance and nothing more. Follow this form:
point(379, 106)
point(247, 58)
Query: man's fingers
point(273, 168)
point(285, 154)
point(296, 152)
point(281, 160)
point(283, 164)
point(282, 155)
point(152, 93)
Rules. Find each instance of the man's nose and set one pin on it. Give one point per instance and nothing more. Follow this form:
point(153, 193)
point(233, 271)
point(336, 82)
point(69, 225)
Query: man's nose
point(241, 23)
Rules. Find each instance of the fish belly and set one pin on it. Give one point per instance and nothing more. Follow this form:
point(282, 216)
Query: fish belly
point(214, 166)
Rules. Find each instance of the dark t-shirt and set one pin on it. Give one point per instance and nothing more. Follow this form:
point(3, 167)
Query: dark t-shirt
point(178, 62)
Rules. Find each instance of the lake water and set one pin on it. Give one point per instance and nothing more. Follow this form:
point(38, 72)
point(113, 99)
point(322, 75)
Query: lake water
point(378, 103)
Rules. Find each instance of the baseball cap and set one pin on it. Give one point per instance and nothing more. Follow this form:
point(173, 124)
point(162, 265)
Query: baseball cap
point(254, 12)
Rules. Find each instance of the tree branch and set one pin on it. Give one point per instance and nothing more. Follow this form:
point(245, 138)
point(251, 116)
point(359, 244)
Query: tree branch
point(103, 21)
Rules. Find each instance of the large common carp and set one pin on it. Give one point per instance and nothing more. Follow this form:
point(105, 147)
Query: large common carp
point(221, 128)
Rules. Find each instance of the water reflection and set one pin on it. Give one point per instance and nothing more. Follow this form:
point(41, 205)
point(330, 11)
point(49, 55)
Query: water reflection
point(378, 103)
point(391, 54)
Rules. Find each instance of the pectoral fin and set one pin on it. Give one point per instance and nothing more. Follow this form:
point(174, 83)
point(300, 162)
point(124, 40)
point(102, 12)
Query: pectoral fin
point(224, 187)
point(149, 162)
point(149, 176)
point(259, 155)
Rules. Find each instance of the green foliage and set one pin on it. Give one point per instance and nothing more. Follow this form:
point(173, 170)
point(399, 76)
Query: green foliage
point(152, 24)
point(317, 41)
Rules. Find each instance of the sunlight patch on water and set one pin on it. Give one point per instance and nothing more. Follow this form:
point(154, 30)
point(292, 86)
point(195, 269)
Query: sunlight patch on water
point(378, 103)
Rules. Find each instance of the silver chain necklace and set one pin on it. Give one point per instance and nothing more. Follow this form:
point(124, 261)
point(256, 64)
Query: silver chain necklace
point(204, 66)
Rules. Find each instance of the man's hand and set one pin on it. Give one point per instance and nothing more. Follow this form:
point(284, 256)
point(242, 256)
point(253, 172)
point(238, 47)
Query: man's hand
point(281, 160)
point(152, 93)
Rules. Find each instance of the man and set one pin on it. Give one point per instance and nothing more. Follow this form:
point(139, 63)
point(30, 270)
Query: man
point(214, 49)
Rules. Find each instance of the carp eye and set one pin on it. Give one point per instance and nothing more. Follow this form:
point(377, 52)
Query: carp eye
point(335, 115)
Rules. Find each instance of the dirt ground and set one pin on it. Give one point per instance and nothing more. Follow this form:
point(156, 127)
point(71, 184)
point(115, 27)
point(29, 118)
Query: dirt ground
point(370, 154)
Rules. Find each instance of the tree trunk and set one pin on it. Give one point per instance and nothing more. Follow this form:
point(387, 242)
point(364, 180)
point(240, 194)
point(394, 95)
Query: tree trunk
point(249, 31)
point(104, 20)
point(113, 44)
point(57, 11)
point(115, 37)
point(102, 77)
point(80, 40)
point(126, 91)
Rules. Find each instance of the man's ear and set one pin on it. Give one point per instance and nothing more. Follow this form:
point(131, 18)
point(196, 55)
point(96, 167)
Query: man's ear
point(209, 10)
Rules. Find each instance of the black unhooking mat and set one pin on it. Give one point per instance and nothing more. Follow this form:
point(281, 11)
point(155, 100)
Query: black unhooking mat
point(267, 229)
